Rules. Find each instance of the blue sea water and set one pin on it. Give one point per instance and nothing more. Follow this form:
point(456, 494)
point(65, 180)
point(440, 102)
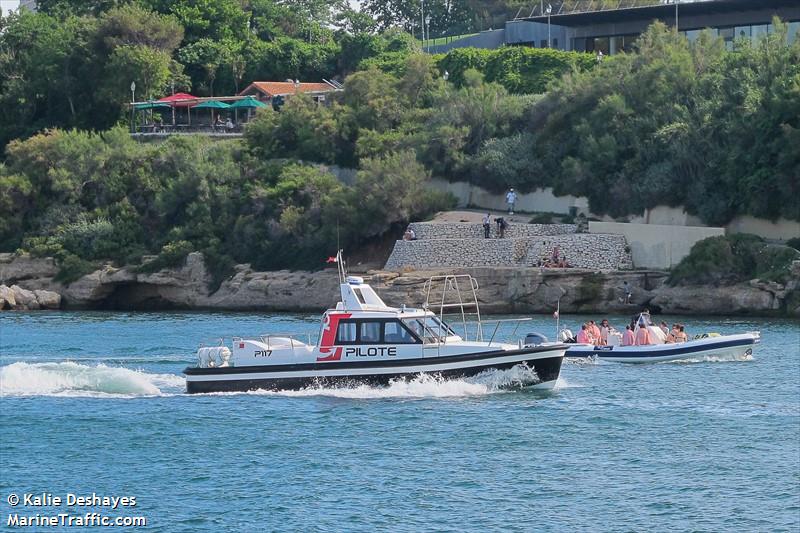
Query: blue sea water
point(93, 402)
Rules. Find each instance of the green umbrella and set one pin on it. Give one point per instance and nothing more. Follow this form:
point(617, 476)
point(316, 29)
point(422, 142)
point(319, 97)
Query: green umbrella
point(211, 104)
point(247, 103)
point(150, 105)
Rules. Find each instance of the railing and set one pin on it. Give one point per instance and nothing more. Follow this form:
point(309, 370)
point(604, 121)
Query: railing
point(446, 39)
point(452, 298)
point(187, 129)
point(588, 6)
point(500, 321)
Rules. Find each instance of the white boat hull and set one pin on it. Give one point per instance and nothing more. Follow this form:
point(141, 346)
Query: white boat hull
point(544, 361)
point(725, 347)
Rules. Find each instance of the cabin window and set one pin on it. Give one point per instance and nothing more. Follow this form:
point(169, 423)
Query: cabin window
point(396, 333)
point(429, 328)
point(359, 296)
point(346, 333)
point(370, 332)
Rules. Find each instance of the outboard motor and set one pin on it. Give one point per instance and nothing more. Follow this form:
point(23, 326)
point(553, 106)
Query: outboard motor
point(566, 335)
point(535, 339)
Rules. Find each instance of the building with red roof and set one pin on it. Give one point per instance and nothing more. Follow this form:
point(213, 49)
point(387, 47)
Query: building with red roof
point(265, 91)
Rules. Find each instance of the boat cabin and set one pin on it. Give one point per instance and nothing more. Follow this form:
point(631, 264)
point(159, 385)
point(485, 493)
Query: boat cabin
point(363, 318)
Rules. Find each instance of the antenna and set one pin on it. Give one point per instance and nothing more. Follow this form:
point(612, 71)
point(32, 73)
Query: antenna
point(341, 266)
point(558, 318)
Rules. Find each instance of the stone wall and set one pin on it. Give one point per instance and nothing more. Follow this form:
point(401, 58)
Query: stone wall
point(458, 230)
point(581, 250)
point(451, 253)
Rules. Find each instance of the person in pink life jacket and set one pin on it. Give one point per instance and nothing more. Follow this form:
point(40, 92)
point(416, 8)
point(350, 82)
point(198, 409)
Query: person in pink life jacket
point(642, 334)
point(594, 331)
point(583, 336)
point(627, 337)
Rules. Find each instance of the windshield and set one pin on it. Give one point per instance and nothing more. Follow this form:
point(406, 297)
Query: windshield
point(428, 328)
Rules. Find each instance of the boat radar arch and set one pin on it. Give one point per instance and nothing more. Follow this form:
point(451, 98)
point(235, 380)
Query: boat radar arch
point(358, 296)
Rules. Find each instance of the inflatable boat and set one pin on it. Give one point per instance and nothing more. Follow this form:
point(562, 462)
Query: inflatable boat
point(723, 346)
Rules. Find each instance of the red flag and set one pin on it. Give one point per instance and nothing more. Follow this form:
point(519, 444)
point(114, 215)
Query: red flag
point(332, 260)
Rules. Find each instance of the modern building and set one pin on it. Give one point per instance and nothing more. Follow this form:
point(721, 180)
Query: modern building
point(7, 6)
point(612, 30)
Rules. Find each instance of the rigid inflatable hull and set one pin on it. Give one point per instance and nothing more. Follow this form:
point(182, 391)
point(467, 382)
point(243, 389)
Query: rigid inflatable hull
point(545, 362)
point(731, 347)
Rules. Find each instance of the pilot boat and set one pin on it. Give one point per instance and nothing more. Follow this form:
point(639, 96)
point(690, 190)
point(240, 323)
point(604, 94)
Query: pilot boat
point(363, 340)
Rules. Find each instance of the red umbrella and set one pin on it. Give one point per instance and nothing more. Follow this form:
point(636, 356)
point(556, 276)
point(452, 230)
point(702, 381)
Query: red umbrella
point(180, 100)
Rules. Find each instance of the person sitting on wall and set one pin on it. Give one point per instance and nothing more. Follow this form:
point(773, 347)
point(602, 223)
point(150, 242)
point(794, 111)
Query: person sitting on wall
point(409, 235)
point(487, 225)
point(555, 257)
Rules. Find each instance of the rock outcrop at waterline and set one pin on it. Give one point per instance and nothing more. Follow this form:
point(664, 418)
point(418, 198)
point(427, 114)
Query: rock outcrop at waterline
point(17, 298)
point(502, 290)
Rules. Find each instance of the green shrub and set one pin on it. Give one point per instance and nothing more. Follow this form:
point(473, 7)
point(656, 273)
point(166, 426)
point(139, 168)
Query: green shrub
point(89, 239)
point(732, 259)
point(519, 69)
point(72, 268)
point(541, 218)
point(171, 255)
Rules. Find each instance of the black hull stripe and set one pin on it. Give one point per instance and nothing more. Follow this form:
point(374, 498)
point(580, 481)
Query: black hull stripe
point(367, 363)
point(547, 370)
point(578, 352)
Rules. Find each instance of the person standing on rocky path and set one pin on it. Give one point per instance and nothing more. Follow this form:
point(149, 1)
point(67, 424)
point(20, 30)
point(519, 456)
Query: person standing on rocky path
point(626, 289)
point(511, 199)
point(487, 225)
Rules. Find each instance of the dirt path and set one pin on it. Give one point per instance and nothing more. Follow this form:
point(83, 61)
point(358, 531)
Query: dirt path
point(476, 217)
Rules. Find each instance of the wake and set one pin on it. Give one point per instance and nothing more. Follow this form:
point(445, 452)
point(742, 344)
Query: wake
point(74, 379)
point(71, 379)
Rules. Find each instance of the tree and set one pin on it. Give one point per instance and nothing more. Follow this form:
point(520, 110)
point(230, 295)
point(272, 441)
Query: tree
point(133, 25)
point(44, 73)
point(148, 67)
point(391, 190)
point(203, 59)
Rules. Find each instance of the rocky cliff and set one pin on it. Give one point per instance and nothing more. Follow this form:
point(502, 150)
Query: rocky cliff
point(502, 290)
